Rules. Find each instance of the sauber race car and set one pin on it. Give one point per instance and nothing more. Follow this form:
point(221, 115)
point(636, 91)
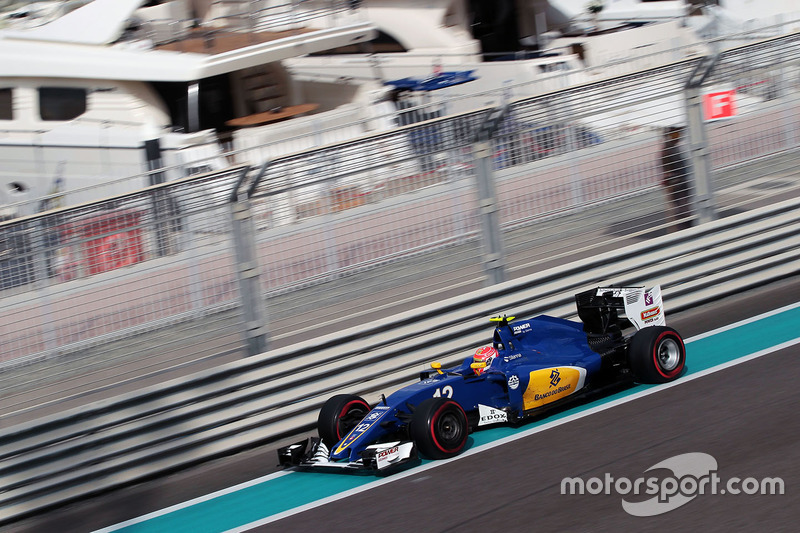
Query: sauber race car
point(532, 365)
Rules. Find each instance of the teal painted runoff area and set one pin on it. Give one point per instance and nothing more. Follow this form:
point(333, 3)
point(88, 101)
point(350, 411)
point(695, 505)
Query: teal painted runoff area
point(281, 493)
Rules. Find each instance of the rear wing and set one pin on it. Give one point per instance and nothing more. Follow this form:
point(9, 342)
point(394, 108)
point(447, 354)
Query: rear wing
point(610, 309)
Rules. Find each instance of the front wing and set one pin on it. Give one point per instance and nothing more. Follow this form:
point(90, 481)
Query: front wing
point(384, 458)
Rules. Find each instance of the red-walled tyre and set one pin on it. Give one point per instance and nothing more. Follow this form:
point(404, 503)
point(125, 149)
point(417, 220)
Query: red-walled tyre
point(339, 415)
point(656, 354)
point(439, 428)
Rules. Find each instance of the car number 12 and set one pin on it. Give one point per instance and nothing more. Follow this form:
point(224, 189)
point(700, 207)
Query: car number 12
point(447, 391)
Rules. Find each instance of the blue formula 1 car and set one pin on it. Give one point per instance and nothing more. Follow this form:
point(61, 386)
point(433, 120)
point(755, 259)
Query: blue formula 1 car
point(532, 366)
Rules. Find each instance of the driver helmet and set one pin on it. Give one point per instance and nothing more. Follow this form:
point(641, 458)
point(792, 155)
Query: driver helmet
point(484, 354)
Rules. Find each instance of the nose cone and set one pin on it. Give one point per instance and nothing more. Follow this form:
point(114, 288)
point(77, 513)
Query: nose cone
point(364, 434)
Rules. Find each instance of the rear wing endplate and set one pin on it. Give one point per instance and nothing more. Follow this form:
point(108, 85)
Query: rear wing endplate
point(607, 308)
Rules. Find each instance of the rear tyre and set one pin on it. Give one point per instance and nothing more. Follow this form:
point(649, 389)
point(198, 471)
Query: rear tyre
point(339, 415)
point(656, 354)
point(439, 428)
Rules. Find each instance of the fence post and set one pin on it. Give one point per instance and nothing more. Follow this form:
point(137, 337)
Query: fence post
point(162, 207)
point(700, 157)
point(248, 273)
point(42, 257)
point(488, 211)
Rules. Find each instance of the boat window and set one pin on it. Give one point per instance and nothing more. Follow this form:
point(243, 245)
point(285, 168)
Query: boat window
point(554, 67)
point(6, 104)
point(61, 103)
point(383, 43)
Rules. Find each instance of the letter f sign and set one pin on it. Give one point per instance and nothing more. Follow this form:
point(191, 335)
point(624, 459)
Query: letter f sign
point(719, 105)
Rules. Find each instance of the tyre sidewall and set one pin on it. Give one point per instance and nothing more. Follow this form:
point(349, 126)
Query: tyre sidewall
point(333, 410)
point(425, 428)
point(643, 354)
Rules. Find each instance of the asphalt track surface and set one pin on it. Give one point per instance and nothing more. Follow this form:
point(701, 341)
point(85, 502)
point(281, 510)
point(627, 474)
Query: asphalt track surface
point(744, 416)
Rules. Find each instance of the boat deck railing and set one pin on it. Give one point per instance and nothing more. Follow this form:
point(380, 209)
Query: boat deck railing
point(261, 21)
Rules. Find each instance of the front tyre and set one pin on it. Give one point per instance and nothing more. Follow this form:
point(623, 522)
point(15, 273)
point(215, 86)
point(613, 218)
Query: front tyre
point(339, 415)
point(439, 428)
point(656, 354)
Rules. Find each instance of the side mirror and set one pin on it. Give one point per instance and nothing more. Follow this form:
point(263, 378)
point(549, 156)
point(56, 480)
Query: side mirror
point(475, 366)
point(437, 366)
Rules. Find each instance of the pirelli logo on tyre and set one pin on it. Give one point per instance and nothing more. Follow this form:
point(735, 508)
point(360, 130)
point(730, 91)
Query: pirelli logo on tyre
point(551, 384)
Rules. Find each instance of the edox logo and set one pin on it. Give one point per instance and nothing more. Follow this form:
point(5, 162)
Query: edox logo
point(555, 377)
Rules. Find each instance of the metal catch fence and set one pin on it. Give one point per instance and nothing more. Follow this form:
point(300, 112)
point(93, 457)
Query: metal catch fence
point(330, 237)
point(595, 166)
point(78, 281)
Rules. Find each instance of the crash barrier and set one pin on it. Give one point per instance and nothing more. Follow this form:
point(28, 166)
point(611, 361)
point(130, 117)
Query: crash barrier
point(275, 395)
